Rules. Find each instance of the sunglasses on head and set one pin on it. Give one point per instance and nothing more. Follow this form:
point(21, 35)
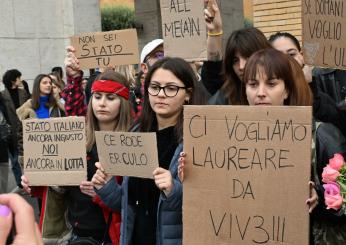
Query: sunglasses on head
point(158, 55)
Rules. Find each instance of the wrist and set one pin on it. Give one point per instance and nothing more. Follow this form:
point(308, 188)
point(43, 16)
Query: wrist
point(76, 74)
point(215, 33)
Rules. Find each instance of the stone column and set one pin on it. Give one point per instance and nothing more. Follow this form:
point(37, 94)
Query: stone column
point(148, 18)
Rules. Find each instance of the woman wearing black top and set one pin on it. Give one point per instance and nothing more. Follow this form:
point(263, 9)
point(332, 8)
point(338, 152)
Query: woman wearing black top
point(151, 209)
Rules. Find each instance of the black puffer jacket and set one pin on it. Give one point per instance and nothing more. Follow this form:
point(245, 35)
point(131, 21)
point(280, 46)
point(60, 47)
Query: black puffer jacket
point(329, 88)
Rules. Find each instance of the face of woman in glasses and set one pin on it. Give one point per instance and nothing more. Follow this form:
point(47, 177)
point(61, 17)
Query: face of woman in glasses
point(165, 104)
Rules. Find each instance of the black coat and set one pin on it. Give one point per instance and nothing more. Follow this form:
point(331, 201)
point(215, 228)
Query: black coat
point(329, 88)
point(3, 143)
point(12, 116)
point(329, 140)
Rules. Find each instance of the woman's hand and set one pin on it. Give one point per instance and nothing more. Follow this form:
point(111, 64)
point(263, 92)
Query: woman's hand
point(71, 62)
point(25, 184)
point(87, 187)
point(313, 199)
point(213, 21)
point(307, 70)
point(100, 178)
point(181, 166)
point(212, 16)
point(163, 180)
point(12, 205)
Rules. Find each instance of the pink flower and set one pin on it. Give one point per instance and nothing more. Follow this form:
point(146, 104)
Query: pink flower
point(329, 174)
point(332, 197)
point(337, 161)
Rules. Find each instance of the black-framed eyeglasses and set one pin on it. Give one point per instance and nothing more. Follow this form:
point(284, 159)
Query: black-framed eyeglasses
point(169, 90)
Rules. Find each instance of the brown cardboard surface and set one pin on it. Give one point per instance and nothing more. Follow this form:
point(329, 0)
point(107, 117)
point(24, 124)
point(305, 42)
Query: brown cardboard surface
point(128, 154)
point(184, 29)
point(324, 37)
point(103, 49)
point(54, 151)
point(246, 175)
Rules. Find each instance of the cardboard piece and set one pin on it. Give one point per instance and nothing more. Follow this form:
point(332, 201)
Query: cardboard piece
point(128, 154)
point(324, 37)
point(54, 151)
point(247, 181)
point(184, 29)
point(104, 49)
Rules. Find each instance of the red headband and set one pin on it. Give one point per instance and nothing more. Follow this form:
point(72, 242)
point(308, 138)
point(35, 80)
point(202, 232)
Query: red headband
point(108, 86)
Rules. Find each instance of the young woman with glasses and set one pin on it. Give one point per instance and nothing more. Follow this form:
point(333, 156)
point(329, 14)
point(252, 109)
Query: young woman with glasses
point(152, 209)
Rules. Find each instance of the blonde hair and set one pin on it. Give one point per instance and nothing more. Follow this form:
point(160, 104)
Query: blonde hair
point(123, 120)
point(128, 71)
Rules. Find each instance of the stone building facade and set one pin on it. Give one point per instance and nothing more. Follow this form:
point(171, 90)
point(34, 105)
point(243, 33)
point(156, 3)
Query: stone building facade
point(34, 33)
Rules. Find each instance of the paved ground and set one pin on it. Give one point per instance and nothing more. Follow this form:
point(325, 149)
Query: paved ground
point(12, 185)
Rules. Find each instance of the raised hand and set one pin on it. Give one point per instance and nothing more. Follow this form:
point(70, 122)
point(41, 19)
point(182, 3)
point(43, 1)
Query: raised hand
point(71, 62)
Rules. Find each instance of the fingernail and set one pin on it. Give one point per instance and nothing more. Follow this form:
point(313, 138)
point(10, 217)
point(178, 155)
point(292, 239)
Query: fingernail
point(4, 210)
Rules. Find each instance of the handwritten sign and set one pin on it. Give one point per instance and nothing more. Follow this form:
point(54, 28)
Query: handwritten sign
point(184, 29)
point(103, 49)
point(324, 33)
point(247, 171)
point(128, 154)
point(54, 151)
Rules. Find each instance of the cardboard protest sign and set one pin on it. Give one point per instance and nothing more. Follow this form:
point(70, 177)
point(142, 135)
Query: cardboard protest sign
point(184, 29)
point(246, 175)
point(54, 151)
point(128, 154)
point(324, 37)
point(103, 49)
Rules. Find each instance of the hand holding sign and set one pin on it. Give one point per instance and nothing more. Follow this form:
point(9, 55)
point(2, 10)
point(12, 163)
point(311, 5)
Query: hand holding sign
point(307, 69)
point(181, 166)
point(87, 187)
point(71, 62)
point(25, 184)
point(163, 180)
point(313, 199)
point(100, 178)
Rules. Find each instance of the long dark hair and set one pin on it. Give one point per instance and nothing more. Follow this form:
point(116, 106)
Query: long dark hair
point(281, 66)
point(245, 42)
point(278, 35)
point(182, 70)
point(35, 97)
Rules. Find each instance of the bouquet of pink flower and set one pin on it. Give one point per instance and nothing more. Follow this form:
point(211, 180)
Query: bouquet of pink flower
point(334, 177)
